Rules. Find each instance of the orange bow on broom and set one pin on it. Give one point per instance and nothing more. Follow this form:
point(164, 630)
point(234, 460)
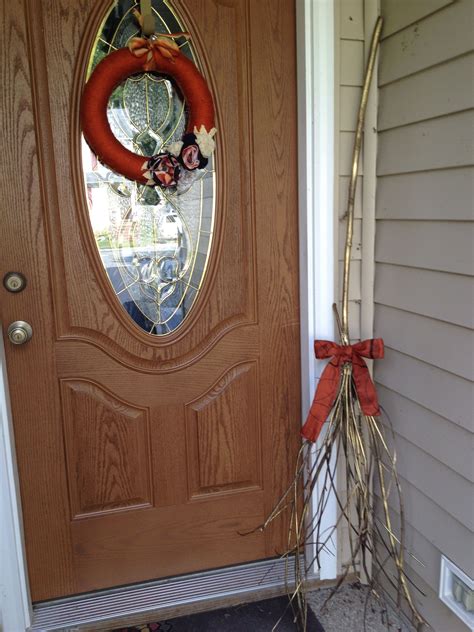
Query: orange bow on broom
point(326, 391)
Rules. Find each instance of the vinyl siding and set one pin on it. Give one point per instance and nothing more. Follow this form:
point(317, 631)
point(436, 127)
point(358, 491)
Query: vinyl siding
point(427, 195)
point(424, 291)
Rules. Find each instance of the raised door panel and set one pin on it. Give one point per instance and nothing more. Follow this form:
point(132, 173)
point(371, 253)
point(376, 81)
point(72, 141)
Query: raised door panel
point(223, 435)
point(107, 448)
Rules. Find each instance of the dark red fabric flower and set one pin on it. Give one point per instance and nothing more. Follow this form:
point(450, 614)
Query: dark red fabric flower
point(190, 157)
point(164, 170)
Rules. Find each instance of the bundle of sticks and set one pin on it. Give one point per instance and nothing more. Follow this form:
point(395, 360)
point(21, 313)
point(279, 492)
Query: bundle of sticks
point(344, 432)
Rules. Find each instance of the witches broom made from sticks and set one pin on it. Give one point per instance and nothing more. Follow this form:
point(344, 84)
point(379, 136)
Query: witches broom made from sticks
point(355, 441)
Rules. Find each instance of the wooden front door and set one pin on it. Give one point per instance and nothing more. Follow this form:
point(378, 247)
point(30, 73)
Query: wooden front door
point(143, 456)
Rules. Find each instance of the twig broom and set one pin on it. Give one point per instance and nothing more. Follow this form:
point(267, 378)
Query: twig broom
point(354, 442)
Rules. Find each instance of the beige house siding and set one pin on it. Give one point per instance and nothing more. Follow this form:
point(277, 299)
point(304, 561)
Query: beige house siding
point(424, 298)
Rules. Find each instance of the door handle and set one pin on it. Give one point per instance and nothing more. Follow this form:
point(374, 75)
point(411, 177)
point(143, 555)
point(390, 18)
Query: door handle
point(19, 332)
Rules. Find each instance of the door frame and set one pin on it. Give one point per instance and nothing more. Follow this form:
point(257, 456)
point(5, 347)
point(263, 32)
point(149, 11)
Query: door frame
point(316, 82)
point(315, 37)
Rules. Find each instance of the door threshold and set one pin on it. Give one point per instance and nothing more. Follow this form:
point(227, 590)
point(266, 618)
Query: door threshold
point(164, 598)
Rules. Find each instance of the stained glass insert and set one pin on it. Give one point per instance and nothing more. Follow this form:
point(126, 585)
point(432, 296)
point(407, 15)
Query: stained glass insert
point(154, 244)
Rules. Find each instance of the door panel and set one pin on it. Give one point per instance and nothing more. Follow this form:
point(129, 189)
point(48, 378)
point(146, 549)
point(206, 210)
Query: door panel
point(139, 456)
point(129, 547)
point(108, 455)
point(223, 435)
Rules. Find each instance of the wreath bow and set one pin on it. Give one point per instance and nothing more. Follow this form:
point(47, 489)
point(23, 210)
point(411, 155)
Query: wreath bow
point(162, 44)
point(327, 389)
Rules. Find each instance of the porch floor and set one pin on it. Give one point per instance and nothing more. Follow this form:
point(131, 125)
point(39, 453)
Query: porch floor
point(345, 611)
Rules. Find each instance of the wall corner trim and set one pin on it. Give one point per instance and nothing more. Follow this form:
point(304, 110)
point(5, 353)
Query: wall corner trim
point(316, 154)
point(15, 602)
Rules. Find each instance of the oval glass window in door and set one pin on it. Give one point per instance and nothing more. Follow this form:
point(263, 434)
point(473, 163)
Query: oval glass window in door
point(154, 244)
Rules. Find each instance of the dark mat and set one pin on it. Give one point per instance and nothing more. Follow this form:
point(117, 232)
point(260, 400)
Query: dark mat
point(259, 616)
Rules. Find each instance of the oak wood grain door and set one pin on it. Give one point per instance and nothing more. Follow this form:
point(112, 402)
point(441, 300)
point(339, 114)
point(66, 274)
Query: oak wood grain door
point(142, 457)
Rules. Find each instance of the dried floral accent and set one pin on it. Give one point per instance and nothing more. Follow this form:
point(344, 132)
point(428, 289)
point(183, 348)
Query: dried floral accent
point(205, 140)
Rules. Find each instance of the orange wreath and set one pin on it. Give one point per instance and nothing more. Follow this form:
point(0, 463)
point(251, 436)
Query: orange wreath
point(156, 54)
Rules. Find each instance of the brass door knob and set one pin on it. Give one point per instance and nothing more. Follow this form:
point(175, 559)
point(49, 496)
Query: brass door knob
point(19, 332)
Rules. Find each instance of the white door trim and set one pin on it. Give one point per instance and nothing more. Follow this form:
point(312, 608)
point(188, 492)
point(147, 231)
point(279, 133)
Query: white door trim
point(15, 602)
point(318, 262)
point(316, 133)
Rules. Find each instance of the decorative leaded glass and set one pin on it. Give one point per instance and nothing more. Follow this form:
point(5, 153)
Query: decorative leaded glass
point(154, 243)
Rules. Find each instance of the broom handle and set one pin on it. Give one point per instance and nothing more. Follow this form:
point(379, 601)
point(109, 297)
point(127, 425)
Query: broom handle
point(353, 181)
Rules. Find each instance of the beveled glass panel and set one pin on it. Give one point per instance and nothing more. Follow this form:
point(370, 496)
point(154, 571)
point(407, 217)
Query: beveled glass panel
point(154, 243)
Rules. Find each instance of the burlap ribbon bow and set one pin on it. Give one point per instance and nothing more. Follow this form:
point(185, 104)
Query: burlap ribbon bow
point(327, 389)
point(162, 44)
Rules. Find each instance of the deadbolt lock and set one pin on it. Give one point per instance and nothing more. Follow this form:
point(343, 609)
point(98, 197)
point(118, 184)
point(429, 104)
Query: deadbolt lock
point(14, 281)
point(19, 332)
